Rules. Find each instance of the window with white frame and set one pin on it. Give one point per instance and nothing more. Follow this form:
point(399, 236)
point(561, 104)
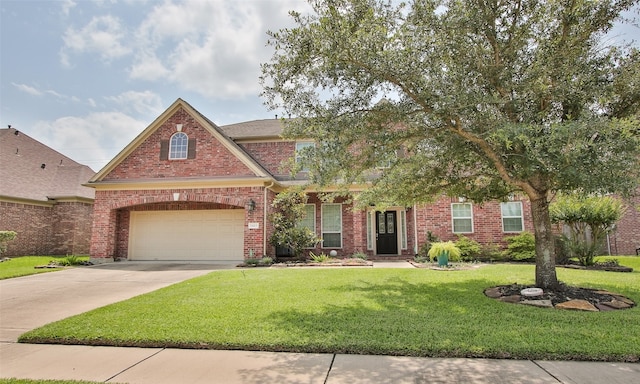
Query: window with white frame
point(178, 146)
point(512, 220)
point(462, 215)
point(331, 225)
point(403, 229)
point(370, 220)
point(301, 148)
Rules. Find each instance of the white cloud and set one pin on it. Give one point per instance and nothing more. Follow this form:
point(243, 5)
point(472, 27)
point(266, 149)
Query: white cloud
point(92, 140)
point(103, 35)
point(28, 89)
point(213, 48)
point(67, 6)
point(144, 103)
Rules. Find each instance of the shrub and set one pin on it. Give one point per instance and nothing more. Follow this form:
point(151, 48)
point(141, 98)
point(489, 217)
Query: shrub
point(5, 237)
point(469, 249)
point(423, 252)
point(252, 261)
point(440, 247)
point(491, 252)
point(266, 261)
point(521, 247)
point(359, 255)
point(321, 258)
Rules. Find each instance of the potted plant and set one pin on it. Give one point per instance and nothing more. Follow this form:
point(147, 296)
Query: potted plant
point(443, 251)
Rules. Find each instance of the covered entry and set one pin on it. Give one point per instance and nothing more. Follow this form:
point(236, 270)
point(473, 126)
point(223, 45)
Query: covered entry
point(214, 234)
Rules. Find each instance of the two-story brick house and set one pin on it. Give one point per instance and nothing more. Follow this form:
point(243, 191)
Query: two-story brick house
point(186, 189)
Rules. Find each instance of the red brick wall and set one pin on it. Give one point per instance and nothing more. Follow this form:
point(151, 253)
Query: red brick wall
point(487, 221)
point(61, 229)
point(212, 158)
point(626, 238)
point(110, 235)
point(273, 156)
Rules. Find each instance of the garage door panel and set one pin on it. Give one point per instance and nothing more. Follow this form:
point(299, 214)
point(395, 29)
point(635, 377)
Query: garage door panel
point(187, 235)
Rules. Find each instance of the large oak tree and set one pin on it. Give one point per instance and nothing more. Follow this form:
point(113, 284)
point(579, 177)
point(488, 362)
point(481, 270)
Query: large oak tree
point(473, 98)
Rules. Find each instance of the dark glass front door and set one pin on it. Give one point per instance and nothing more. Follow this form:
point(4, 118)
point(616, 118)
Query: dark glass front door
point(386, 233)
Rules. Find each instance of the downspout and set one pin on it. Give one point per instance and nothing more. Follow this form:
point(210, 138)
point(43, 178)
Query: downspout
point(415, 229)
point(264, 219)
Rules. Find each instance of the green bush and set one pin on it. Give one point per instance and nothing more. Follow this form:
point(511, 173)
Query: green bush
point(266, 260)
point(469, 249)
point(6, 236)
point(321, 258)
point(521, 247)
point(359, 255)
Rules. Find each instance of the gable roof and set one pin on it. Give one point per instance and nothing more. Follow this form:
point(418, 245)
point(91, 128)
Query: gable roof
point(216, 132)
point(33, 171)
point(256, 129)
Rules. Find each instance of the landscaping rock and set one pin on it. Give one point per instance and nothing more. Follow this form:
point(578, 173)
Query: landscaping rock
point(510, 299)
point(493, 292)
point(577, 305)
point(616, 304)
point(538, 303)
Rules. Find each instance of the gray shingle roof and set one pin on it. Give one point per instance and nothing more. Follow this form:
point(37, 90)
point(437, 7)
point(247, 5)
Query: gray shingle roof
point(22, 174)
point(256, 129)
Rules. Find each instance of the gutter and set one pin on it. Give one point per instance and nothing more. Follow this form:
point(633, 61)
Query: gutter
point(264, 218)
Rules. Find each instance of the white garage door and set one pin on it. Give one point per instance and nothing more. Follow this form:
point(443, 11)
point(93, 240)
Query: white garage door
point(187, 235)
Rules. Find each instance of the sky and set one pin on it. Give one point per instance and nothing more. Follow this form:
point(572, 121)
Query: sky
point(86, 77)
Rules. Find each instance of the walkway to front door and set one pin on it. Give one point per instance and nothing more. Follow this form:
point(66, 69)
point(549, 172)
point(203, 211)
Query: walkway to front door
point(386, 233)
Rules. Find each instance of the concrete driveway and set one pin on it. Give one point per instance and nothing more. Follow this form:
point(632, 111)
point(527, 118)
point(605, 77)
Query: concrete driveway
point(33, 301)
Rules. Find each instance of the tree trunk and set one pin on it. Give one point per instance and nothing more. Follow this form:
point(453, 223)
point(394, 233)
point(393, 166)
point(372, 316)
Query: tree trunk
point(546, 277)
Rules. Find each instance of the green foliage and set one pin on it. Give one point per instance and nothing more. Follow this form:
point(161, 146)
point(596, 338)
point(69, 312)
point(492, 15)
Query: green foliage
point(5, 237)
point(321, 258)
point(521, 247)
point(469, 249)
point(481, 99)
point(360, 255)
point(441, 247)
point(266, 260)
point(588, 219)
point(288, 210)
point(423, 252)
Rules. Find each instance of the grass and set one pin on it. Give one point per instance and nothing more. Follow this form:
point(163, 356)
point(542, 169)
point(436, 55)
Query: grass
point(25, 265)
point(412, 312)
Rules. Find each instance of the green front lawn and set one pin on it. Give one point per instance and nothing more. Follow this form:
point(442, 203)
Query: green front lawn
point(25, 265)
point(414, 312)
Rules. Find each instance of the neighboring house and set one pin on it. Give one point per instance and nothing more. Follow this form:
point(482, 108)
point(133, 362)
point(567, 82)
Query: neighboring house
point(187, 189)
point(42, 198)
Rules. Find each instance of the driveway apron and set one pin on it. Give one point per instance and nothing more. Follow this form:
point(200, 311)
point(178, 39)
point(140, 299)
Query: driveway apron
point(32, 301)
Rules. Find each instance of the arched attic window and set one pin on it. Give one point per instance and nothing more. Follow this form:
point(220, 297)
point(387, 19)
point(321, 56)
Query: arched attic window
point(178, 146)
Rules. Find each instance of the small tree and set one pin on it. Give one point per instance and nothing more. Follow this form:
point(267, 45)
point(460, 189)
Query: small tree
point(6, 236)
point(588, 219)
point(288, 212)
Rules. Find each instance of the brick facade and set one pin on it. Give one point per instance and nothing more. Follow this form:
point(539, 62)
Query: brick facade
point(625, 239)
point(224, 174)
point(63, 228)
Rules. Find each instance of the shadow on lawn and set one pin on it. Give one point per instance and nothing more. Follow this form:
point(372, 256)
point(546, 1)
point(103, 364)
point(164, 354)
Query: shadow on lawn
point(453, 319)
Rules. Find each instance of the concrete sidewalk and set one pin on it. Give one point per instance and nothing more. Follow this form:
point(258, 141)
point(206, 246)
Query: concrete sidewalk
point(159, 366)
point(33, 301)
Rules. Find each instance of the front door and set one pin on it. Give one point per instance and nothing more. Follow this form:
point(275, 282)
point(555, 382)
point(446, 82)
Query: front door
point(386, 233)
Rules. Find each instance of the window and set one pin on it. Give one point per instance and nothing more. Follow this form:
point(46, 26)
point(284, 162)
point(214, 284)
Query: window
point(331, 225)
point(370, 229)
point(301, 148)
point(403, 228)
point(462, 215)
point(512, 216)
point(178, 146)
point(309, 219)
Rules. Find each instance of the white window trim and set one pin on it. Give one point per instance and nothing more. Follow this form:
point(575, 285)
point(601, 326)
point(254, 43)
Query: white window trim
point(453, 227)
point(403, 229)
point(322, 225)
point(521, 217)
point(401, 215)
point(186, 151)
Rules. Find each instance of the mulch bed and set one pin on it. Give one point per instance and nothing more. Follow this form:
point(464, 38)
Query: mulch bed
point(563, 297)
